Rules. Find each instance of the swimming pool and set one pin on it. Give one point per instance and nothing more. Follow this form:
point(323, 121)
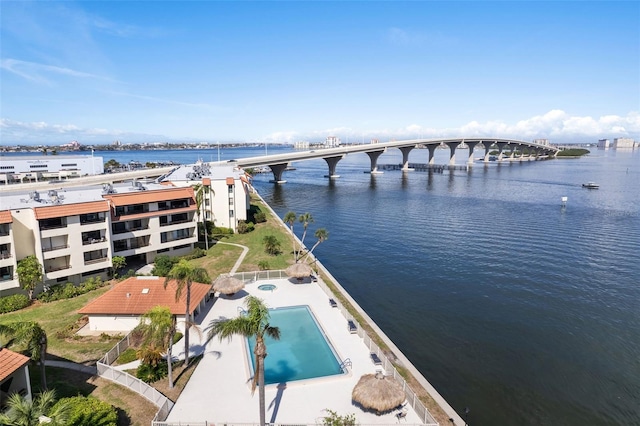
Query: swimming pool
point(267, 287)
point(303, 351)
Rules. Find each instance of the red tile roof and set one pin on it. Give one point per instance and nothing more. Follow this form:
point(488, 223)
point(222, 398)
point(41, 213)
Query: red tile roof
point(5, 216)
point(206, 181)
point(143, 197)
point(71, 209)
point(136, 295)
point(229, 181)
point(10, 362)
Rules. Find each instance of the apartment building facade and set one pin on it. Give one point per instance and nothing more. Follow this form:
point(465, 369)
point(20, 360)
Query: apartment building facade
point(75, 233)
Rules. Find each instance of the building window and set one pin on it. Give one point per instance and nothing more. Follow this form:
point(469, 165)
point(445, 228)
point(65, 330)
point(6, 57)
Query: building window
point(92, 218)
point(62, 279)
point(230, 213)
point(230, 189)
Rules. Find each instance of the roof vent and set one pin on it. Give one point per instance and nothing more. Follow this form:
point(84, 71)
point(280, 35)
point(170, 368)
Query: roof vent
point(145, 291)
point(128, 295)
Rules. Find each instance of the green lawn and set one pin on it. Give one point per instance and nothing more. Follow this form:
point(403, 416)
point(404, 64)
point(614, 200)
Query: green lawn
point(221, 257)
point(61, 315)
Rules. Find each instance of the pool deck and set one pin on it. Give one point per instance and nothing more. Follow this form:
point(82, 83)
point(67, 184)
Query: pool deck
point(219, 390)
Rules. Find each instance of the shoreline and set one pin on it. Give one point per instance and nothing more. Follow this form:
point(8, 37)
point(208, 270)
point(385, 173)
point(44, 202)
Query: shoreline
point(398, 359)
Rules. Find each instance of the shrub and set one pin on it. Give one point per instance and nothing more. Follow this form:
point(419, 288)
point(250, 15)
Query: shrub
point(195, 254)
point(13, 303)
point(260, 217)
point(220, 232)
point(149, 374)
point(263, 265)
point(88, 410)
point(162, 265)
point(334, 419)
point(176, 337)
point(244, 227)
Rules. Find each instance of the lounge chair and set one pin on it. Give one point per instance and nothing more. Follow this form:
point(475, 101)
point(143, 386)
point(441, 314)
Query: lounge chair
point(376, 359)
point(352, 327)
point(402, 414)
point(333, 303)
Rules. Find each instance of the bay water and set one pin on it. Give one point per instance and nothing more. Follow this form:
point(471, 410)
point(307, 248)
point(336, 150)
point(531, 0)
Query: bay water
point(515, 306)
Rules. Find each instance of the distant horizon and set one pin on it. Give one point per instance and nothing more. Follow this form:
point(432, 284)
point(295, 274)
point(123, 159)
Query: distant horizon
point(282, 72)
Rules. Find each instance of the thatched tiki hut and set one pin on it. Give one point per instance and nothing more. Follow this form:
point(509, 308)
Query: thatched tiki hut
point(378, 392)
point(228, 285)
point(299, 271)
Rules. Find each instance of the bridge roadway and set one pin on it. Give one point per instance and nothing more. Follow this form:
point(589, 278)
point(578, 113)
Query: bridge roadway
point(279, 162)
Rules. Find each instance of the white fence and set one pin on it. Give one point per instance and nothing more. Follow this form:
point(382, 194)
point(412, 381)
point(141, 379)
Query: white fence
point(105, 370)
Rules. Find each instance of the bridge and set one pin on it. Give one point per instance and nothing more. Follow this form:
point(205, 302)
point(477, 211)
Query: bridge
point(279, 162)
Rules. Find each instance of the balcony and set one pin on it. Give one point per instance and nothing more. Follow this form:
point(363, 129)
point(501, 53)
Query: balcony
point(5, 255)
point(89, 241)
point(54, 268)
point(92, 261)
point(52, 248)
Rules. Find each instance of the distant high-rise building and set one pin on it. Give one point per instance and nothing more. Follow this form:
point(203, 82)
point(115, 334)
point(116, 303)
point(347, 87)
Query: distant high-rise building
point(541, 141)
point(332, 141)
point(623, 143)
point(603, 144)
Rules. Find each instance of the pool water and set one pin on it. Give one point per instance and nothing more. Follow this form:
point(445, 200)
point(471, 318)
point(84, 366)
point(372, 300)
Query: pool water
point(302, 352)
point(267, 287)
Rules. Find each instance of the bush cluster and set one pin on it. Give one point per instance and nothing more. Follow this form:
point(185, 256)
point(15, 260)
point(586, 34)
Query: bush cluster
point(13, 303)
point(87, 410)
point(195, 254)
point(69, 290)
point(149, 374)
point(245, 227)
point(162, 265)
point(218, 232)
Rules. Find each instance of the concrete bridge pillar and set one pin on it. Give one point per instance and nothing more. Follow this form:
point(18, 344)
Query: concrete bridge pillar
point(452, 156)
point(471, 146)
point(487, 149)
point(405, 150)
point(432, 150)
point(332, 162)
point(513, 151)
point(501, 146)
point(277, 170)
point(373, 156)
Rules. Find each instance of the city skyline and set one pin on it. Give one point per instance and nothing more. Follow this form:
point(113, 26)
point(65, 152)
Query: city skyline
point(281, 72)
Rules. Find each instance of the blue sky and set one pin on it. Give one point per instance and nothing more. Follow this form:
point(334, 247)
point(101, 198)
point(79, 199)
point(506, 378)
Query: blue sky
point(205, 71)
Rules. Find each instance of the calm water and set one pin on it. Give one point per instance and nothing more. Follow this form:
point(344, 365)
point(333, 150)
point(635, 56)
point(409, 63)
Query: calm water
point(301, 353)
point(524, 311)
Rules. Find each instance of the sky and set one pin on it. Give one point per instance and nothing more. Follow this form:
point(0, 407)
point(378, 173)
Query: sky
point(287, 71)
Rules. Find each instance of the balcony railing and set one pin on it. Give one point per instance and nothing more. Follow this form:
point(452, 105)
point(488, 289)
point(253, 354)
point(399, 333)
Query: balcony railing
point(52, 248)
point(94, 241)
point(88, 221)
point(5, 255)
point(92, 261)
point(175, 222)
point(131, 247)
point(52, 226)
point(132, 229)
point(57, 268)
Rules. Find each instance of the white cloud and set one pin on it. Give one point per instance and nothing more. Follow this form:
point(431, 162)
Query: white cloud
point(556, 125)
point(39, 72)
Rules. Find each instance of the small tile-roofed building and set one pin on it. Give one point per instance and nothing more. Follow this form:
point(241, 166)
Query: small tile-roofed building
point(120, 308)
point(14, 375)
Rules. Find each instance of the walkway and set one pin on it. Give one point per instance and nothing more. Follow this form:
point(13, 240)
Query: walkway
point(87, 369)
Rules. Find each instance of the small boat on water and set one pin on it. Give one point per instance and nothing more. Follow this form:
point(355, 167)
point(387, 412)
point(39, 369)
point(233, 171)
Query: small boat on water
point(591, 185)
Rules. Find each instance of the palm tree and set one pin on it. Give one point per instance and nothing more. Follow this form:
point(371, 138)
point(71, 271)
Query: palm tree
point(158, 326)
point(322, 235)
point(255, 323)
point(271, 244)
point(290, 219)
point(202, 191)
point(305, 219)
point(184, 274)
point(25, 412)
point(32, 337)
